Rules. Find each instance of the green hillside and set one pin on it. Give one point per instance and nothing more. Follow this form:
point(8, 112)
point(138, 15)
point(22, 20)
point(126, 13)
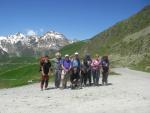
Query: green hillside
point(127, 42)
point(19, 76)
point(16, 71)
point(104, 41)
point(70, 49)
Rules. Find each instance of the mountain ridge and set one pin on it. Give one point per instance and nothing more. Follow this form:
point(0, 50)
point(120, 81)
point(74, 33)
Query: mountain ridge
point(28, 45)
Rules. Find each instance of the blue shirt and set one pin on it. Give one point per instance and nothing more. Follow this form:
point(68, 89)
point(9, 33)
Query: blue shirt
point(66, 63)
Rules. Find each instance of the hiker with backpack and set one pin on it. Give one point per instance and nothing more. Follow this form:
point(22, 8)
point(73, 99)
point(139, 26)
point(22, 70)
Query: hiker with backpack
point(45, 71)
point(57, 69)
point(83, 75)
point(66, 67)
point(96, 70)
point(87, 64)
point(105, 72)
point(75, 71)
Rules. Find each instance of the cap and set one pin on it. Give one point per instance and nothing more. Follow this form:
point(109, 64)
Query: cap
point(76, 53)
point(66, 55)
point(58, 54)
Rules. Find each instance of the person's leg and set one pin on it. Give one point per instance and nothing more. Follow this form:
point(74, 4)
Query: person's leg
point(94, 76)
point(62, 78)
point(42, 82)
point(63, 82)
point(89, 76)
point(56, 78)
point(97, 77)
point(59, 78)
point(103, 77)
point(78, 77)
point(66, 79)
point(71, 78)
point(82, 78)
point(85, 78)
point(106, 78)
point(46, 81)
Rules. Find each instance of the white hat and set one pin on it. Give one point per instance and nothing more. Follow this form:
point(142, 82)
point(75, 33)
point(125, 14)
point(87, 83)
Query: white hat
point(76, 53)
point(66, 55)
point(58, 54)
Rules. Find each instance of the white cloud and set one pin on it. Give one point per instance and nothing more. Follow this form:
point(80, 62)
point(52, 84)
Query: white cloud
point(31, 32)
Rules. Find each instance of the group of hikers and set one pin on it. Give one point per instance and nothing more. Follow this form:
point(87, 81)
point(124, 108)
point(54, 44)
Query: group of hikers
point(80, 72)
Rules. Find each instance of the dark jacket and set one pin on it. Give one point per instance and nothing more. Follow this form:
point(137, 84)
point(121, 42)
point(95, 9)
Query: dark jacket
point(46, 67)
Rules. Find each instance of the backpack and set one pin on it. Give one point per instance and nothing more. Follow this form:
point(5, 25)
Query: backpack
point(87, 62)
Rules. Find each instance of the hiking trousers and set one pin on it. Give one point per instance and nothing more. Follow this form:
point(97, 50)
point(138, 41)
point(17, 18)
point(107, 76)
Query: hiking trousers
point(44, 80)
point(57, 78)
point(96, 76)
point(104, 77)
point(64, 78)
point(89, 76)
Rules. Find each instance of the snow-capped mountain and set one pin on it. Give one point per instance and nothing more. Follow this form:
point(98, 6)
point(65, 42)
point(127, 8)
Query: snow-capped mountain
point(3, 53)
point(20, 44)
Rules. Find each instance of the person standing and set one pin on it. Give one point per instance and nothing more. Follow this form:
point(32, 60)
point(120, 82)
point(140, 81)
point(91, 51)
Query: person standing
point(105, 72)
point(66, 66)
point(87, 64)
point(96, 70)
point(83, 74)
point(57, 69)
point(45, 69)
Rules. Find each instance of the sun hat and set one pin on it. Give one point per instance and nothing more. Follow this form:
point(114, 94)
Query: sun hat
point(66, 55)
point(58, 54)
point(76, 53)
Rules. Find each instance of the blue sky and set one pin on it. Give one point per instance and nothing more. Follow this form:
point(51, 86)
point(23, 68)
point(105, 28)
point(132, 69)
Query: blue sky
point(79, 19)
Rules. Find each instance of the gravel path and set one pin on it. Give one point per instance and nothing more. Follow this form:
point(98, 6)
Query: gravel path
point(129, 93)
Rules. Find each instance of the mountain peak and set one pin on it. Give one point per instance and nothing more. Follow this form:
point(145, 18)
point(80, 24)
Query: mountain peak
point(54, 35)
point(25, 44)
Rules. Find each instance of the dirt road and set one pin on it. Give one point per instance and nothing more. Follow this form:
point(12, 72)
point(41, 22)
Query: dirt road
point(129, 93)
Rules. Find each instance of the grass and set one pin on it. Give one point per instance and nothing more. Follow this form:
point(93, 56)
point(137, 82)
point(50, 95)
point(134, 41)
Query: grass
point(143, 65)
point(113, 73)
point(72, 48)
point(19, 76)
point(18, 71)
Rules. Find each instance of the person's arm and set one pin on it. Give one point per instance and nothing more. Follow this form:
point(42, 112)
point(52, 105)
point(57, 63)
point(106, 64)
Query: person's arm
point(43, 70)
point(100, 64)
point(70, 65)
point(92, 63)
point(63, 67)
point(50, 68)
point(108, 66)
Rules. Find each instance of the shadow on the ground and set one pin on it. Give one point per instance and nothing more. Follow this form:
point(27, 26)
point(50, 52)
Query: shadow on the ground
point(69, 87)
point(108, 84)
